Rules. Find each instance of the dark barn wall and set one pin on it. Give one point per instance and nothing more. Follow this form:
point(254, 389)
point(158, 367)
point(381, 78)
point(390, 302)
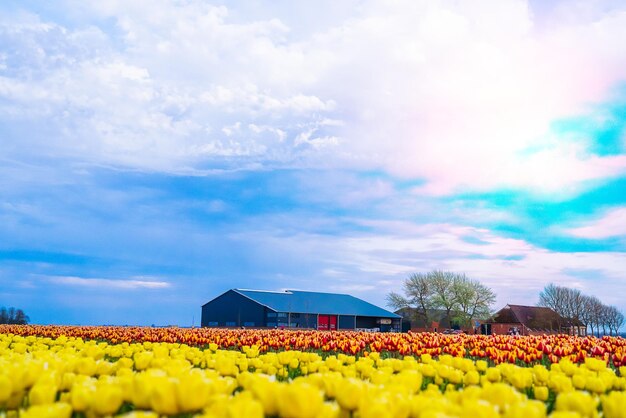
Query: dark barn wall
point(366, 322)
point(346, 322)
point(233, 309)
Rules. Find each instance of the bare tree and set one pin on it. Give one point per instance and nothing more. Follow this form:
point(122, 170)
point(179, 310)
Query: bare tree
point(419, 295)
point(553, 296)
point(568, 303)
point(615, 319)
point(605, 319)
point(586, 311)
point(599, 316)
point(397, 301)
point(574, 307)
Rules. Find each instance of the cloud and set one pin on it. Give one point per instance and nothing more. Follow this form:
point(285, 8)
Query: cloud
point(611, 224)
point(459, 96)
point(109, 283)
point(383, 253)
point(471, 106)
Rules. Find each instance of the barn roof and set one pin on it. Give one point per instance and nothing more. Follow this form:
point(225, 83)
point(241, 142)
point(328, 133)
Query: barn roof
point(315, 302)
point(536, 317)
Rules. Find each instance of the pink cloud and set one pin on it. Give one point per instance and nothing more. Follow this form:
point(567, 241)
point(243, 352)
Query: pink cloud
point(612, 224)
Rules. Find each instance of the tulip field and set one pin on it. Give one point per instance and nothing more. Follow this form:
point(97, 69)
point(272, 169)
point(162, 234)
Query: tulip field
point(54, 371)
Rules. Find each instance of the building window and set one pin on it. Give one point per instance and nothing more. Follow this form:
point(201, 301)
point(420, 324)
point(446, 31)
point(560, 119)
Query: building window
point(213, 324)
point(248, 324)
point(230, 324)
point(271, 324)
point(282, 314)
point(271, 314)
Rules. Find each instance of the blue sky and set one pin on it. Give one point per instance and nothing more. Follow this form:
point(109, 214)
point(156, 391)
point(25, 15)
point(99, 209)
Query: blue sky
point(155, 154)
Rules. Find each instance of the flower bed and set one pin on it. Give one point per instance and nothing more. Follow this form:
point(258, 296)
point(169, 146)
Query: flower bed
point(81, 372)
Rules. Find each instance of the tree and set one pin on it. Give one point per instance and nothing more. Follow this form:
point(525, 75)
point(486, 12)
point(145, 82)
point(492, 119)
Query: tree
point(13, 316)
point(615, 319)
point(587, 308)
point(418, 293)
point(557, 298)
point(444, 296)
point(570, 304)
point(552, 297)
point(474, 299)
point(574, 306)
point(20, 317)
point(605, 314)
point(460, 297)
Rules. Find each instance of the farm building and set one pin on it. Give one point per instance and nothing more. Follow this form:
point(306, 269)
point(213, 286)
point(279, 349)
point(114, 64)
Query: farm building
point(530, 320)
point(296, 309)
point(416, 322)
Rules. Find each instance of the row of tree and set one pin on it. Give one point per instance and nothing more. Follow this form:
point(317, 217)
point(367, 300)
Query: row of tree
point(463, 299)
point(13, 316)
point(587, 310)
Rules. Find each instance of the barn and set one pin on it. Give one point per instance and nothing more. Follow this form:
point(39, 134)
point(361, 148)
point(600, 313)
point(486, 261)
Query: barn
point(531, 320)
point(296, 309)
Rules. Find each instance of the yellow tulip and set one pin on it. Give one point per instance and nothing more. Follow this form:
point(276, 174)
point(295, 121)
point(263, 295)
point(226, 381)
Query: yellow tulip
point(86, 366)
point(266, 392)
point(526, 409)
point(541, 393)
point(595, 364)
point(163, 396)
point(410, 379)
point(471, 378)
point(493, 374)
point(349, 393)
point(501, 395)
point(42, 393)
point(81, 397)
point(596, 385)
point(107, 399)
point(6, 388)
point(560, 383)
point(565, 414)
point(243, 406)
point(139, 414)
point(67, 381)
point(579, 381)
point(142, 360)
point(56, 410)
point(579, 402)
point(481, 365)
point(193, 392)
point(300, 400)
point(614, 405)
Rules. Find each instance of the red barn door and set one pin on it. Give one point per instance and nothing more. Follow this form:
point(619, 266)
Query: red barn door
point(323, 322)
point(333, 323)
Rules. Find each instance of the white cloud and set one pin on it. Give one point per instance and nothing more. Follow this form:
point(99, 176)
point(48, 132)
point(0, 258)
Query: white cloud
point(612, 224)
point(461, 95)
point(138, 283)
point(391, 250)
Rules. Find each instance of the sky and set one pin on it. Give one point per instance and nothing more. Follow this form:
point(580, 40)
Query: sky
point(154, 154)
